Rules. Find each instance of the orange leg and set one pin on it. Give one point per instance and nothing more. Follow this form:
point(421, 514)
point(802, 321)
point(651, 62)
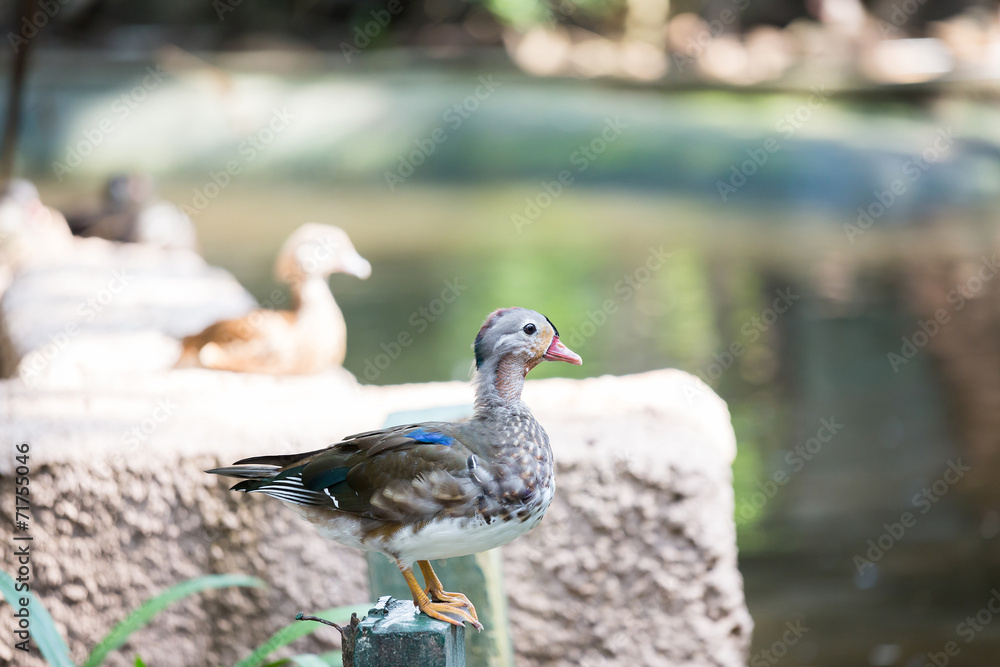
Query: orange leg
point(438, 610)
point(437, 593)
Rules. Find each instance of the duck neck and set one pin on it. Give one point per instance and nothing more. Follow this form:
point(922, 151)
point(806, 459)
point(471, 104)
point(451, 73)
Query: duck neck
point(309, 291)
point(498, 385)
point(312, 293)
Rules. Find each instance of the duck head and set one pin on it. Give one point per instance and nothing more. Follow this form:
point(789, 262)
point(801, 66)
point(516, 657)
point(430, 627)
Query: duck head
point(522, 336)
point(125, 191)
point(19, 196)
point(319, 250)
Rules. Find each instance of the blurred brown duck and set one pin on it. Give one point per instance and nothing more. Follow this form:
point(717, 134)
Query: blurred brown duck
point(307, 339)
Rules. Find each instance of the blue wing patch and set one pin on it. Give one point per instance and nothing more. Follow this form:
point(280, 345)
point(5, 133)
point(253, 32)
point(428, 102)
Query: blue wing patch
point(431, 437)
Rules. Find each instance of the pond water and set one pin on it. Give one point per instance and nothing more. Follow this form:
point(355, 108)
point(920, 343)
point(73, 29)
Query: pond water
point(706, 233)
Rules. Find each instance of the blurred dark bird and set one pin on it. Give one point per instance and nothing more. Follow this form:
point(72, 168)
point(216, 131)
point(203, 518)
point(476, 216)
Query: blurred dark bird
point(436, 489)
point(307, 339)
point(131, 213)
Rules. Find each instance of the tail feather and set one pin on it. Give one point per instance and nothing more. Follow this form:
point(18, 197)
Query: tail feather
point(246, 472)
point(271, 480)
point(279, 460)
point(285, 486)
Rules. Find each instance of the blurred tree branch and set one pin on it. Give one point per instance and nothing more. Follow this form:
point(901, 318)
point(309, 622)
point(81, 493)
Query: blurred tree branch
point(13, 120)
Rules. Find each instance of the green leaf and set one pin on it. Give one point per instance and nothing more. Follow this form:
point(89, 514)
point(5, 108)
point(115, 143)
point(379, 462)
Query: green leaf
point(299, 629)
point(42, 628)
point(310, 660)
point(328, 659)
point(139, 662)
point(144, 614)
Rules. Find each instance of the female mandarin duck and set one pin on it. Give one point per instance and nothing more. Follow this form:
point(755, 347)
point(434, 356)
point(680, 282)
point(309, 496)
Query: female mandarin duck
point(437, 489)
point(308, 339)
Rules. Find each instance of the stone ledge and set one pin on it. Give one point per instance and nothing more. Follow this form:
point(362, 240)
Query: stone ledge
point(635, 563)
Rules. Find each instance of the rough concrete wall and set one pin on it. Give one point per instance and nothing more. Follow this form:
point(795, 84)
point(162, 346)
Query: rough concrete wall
point(634, 565)
point(635, 562)
point(629, 568)
point(106, 542)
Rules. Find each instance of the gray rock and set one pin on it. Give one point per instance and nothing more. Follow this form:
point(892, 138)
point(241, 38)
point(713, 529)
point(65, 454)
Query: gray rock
point(635, 563)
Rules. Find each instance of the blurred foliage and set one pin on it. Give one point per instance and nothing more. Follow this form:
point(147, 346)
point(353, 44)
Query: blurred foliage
point(328, 659)
point(142, 616)
point(53, 647)
point(56, 653)
point(325, 24)
point(525, 13)
point(748, 469)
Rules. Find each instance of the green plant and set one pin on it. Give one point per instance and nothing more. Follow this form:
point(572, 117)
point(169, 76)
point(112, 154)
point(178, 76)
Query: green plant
point(331, 659)
point(43, 628)
point(52, 646)
point(297, 630)
point(54, 650)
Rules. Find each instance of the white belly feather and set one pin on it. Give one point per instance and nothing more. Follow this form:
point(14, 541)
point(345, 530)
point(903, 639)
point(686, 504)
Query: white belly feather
point(441, 538)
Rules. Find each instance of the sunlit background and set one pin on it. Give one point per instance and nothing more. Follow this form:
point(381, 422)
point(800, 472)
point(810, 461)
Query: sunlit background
point(815, 181)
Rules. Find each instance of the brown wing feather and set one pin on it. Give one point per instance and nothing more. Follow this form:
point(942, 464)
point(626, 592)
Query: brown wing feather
point(384, 475)
point(392, 477)
point(255, 343)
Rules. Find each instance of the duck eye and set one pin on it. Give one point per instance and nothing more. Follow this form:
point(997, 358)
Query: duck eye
point(529, 328)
